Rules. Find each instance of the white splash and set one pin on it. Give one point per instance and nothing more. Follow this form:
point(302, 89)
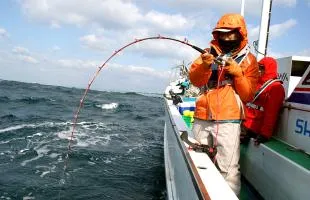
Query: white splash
point(29, 197)
point(44, 173)
point(53, 155)
point(108, 106)
point(41, 151)
point(44, 124)
point(64, 135)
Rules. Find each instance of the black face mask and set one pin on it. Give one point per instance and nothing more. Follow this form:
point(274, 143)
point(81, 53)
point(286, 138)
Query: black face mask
point(228, 46)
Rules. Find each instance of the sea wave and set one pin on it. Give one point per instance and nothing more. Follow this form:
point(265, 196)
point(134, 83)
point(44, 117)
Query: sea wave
point(108, 106)
point(34, 126)
point(33, 100)
point(88, 125)
point(4, 99)
point(8, 117)
point(117, 136)
point(127, 93)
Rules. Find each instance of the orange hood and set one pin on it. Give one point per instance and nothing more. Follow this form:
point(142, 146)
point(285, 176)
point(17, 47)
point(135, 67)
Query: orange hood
point(230, 21)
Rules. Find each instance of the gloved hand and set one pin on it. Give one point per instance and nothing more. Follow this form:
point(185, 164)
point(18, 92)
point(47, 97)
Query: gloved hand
point(233, 68)
point(244, 136)
point(244, 139)
point(259, 139)
point(207, 59)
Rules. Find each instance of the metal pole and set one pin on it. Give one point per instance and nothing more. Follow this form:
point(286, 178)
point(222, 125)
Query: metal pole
point(242, 7)
point(264, 29)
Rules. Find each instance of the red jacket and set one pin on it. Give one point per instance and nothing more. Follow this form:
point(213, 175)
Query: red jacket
point(262, 115)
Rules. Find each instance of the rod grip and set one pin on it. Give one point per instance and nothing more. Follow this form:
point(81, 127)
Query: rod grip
point(199, 49)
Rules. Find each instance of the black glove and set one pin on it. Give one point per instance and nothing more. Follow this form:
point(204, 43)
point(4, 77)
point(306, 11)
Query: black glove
point(260, 139)
point(244, 139)
point(246, 135)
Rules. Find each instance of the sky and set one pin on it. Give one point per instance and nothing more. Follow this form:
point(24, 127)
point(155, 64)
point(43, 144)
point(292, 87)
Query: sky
point(63, 43)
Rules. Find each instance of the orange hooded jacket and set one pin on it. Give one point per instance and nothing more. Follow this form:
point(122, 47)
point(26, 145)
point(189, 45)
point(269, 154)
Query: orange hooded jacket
point(223, 102)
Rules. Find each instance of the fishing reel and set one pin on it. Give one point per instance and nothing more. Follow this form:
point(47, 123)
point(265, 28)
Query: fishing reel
point(175, 98)
point(221, 59)
point(209, 150)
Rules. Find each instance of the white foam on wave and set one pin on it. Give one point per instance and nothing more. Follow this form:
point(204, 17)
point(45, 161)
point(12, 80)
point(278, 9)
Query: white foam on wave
point(23, 150)
point(93, 125)
point(87, 136)
point(44, 173)
point(90, 140)
point(40, 151)
point(53, 155)
point(91, 163)
point(36, 134)
point(108, 106)
point(28, 197)
point(44, 124)
point(4, 197)
point(64, 135)
point(107, 161)
point(13, 128)
point(45, 170)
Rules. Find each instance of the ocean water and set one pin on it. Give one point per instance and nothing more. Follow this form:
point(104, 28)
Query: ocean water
point(116, 153)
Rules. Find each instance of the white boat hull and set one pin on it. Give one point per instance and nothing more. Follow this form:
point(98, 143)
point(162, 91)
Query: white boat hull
point(190, 175)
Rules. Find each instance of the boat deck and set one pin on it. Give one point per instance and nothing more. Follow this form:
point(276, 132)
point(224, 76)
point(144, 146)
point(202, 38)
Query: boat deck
point(248, 192)
point(267, 170)
point(295, 155)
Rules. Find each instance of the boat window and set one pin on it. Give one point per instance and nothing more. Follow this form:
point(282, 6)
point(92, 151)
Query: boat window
point(299, 67)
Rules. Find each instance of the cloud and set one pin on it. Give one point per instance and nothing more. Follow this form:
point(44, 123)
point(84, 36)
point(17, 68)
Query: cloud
point(286, 3)
point(288, 52)
point(23, 54)
point(107, 13)
point(77, 63)
point(131, 78)
point(210, 6)
point(154, 48)
point(28, 59)
point(138, 70)
point(167, 22)
point(55, 48)
point(95, 42)
point(54, 25)
point(165, 49)
point(305, 52)
point(106, 25)
point(20, 50)
point(3, 33)
point(276, 30)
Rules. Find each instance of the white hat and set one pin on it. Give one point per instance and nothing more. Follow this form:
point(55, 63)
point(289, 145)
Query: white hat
point(225, 30)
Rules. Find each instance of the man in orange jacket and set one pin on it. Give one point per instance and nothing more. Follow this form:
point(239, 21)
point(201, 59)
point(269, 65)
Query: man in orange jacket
point(262, 112)
point(228, 84)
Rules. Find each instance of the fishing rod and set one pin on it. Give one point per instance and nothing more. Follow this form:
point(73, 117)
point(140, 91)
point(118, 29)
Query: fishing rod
point(159, 37)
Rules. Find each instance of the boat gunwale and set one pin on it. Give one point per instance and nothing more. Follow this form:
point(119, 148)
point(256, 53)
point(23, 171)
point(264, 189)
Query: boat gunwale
point(198, 183)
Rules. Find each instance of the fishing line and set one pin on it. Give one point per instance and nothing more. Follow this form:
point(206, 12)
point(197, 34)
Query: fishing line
point(159, 37)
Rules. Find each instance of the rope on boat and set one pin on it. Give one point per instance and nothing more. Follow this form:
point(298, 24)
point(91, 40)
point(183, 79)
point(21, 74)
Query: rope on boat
point(69, 148)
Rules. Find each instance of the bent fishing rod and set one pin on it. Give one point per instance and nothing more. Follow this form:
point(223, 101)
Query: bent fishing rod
point(159, 37)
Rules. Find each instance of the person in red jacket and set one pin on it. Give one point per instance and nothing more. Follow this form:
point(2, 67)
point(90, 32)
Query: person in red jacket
point(262, 112)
